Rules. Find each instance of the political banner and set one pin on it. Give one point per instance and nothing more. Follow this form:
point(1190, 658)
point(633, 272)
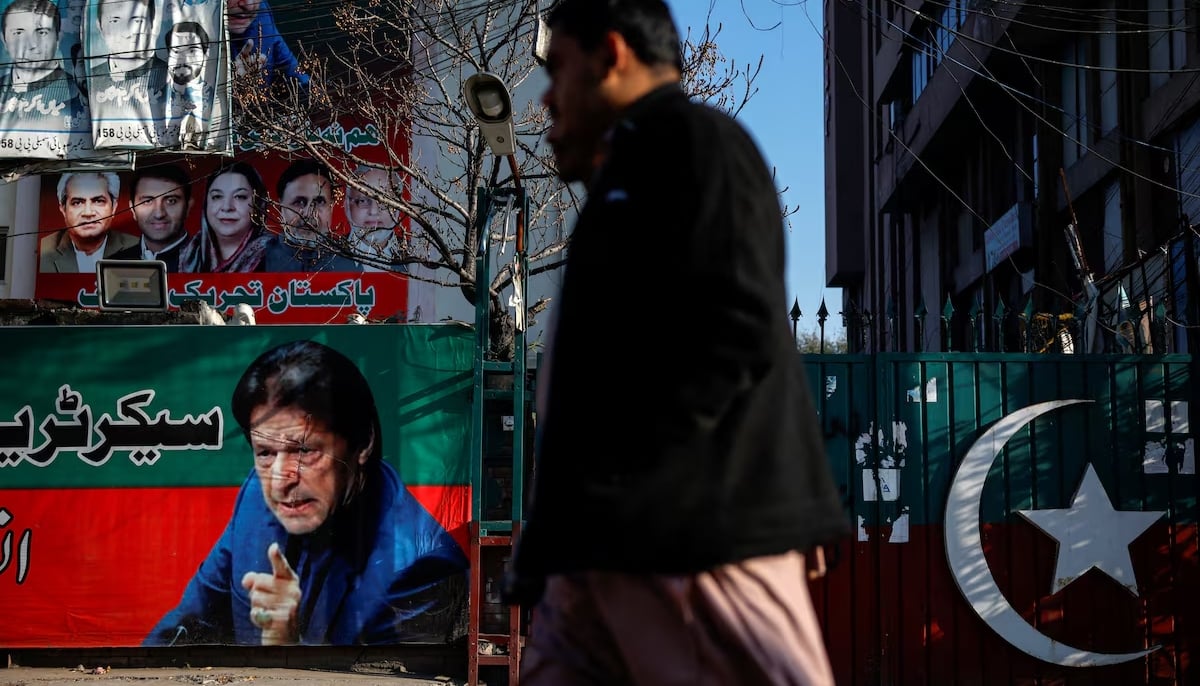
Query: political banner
point(277, 231)
point(154, 496)
point(82, 80)
point(43, 102)
point(158, 76)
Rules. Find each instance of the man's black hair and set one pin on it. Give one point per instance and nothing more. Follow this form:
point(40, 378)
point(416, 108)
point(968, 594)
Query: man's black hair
point(150, 9)
point(303, 167)
point(189, 27)
point(319, 380)
point(167, 172)
point(42, 7)
point(646, 25)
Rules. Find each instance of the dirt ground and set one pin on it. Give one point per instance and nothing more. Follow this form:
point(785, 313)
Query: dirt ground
point(209, 676)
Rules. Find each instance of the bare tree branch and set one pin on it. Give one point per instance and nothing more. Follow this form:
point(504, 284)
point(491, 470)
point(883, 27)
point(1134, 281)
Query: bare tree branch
point(399, 74)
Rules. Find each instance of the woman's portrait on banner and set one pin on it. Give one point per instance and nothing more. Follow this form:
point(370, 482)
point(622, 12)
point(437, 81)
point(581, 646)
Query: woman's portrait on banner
point(233, 235)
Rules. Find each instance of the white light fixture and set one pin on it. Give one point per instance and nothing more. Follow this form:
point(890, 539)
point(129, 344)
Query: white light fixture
point(489, 101)
point(132, 285)
point(541, 41)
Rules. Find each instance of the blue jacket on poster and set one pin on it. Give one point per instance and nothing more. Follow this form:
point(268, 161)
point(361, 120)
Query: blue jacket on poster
point(381, 571)
point(268, 42)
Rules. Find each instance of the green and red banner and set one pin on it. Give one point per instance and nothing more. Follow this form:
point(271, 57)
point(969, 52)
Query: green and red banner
point(121, 463)
point(1018, 519)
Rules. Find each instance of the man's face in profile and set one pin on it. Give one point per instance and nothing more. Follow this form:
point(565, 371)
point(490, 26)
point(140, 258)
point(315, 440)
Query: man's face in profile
point(88, 207)
point(126, 27)
point(579, 113)
point(31, 40)
point(187, 57)
point(307, 204)
point(365, 212)
point(241, 14)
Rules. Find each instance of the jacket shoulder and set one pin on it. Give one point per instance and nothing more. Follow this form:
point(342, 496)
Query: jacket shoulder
point(119, 241)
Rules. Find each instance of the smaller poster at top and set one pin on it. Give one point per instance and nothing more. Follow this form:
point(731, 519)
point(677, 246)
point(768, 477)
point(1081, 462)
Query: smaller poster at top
point(157, 74)
point(43, 102)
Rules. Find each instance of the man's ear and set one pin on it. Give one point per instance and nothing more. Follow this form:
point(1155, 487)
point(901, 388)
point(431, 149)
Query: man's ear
point(616, 53)
point(365, 454)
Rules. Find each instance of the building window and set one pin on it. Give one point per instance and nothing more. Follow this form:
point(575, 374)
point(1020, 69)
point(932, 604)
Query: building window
point(1107, 76)
point(1035, 167)
point(1078, 91)
point(928, 54)
point(1168, 39)
point(1187, 165)
point(1114, 237)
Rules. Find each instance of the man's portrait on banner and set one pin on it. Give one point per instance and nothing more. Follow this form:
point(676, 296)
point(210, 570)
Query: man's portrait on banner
point(40, 103)
point(128, 81)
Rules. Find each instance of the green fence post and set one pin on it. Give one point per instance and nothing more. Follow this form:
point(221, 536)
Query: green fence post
point(1000, 315)
point(920, 314)
point(891, 320)
point(947, 318)
point(822, 315)
point(973, 315)
point(1027, 315)
point(795, 315)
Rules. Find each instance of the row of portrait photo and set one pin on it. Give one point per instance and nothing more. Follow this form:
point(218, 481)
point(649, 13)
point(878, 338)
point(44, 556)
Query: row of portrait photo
point(226, 220)
point(85, 75)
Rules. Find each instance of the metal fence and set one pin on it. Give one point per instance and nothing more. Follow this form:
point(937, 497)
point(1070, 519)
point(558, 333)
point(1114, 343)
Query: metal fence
point(1148, 306)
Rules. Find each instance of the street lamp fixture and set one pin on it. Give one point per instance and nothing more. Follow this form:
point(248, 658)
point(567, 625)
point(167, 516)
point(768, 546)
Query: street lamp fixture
point(132, 285)
point(489, 101)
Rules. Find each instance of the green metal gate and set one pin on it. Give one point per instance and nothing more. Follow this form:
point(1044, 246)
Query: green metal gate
point(1093, 451)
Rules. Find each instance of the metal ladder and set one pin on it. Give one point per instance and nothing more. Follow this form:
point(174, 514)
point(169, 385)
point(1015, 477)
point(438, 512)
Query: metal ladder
point(492, 403)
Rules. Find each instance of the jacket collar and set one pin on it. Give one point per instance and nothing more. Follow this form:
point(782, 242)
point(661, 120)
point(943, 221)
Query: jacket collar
point(650, 101)
point(627, 119)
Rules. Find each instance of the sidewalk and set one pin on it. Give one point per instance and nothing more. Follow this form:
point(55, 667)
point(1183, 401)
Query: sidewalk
point(209, 676)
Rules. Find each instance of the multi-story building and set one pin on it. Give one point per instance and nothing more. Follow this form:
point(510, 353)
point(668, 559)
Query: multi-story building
point(999, 156)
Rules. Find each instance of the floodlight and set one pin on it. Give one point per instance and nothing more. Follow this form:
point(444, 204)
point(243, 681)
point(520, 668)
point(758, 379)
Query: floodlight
point(489, 101)
point(131, 285)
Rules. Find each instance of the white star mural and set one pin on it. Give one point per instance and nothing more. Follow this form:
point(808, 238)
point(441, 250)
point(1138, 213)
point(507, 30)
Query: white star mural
point(1092, 534)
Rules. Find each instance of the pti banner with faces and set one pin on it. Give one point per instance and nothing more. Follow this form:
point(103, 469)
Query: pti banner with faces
point(82, 76)
point(280, 233)
point(152, 493)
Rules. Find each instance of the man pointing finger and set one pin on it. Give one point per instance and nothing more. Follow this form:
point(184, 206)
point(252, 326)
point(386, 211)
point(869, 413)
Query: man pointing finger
point(275, 600)
point(351, 556)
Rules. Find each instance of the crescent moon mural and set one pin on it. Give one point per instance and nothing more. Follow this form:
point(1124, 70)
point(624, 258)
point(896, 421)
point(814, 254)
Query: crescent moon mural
point(964, 550)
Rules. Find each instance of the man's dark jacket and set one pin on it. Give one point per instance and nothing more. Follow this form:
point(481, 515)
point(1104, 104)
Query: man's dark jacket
point(170, 256)
point(680, 433)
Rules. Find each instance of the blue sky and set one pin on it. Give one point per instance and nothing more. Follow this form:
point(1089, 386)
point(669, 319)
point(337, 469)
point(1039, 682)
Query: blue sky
point(785, 117)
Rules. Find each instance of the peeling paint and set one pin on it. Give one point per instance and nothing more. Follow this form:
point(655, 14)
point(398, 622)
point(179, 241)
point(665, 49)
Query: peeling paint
point(913, 395)
point(830, 386)
point(900, 529)
point(860, 449)
point(1154, 458)
point(1179, 418)
point(1155, 417)
point(1168, 447)
point(881, 484)
point(889, 451)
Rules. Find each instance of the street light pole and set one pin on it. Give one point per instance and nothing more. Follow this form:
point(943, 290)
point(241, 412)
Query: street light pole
point(489, 101)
